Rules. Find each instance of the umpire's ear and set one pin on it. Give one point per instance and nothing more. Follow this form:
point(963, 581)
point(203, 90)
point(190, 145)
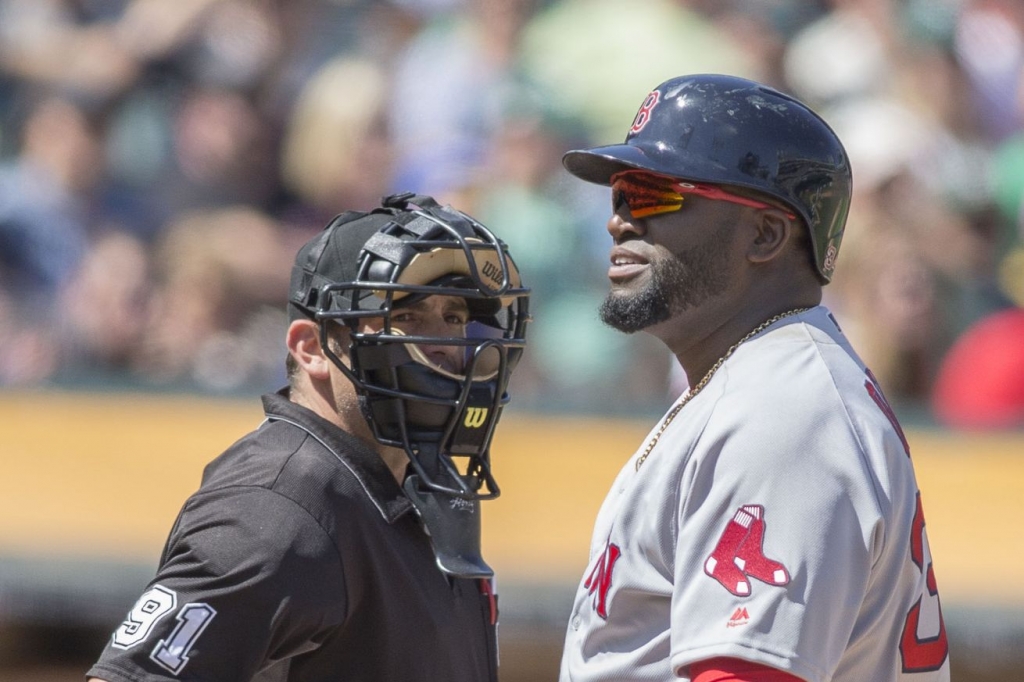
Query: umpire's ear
point(303, 341)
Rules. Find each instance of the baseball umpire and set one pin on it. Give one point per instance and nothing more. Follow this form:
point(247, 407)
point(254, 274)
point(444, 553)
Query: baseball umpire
point(770, 527)
point(341, 539)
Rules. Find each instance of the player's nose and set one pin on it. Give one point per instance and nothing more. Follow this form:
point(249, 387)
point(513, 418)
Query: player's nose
point(620, 228)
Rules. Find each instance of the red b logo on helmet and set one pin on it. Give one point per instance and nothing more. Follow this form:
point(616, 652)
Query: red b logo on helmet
point(644, 115)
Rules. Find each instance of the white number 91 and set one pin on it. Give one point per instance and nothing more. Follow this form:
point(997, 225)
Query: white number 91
point(172, 652)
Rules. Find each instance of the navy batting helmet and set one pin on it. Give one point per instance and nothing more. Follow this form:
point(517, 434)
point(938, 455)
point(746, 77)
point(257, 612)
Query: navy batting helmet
point(731, 131)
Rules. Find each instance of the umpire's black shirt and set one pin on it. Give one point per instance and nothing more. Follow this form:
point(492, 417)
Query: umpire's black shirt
point(299, 558)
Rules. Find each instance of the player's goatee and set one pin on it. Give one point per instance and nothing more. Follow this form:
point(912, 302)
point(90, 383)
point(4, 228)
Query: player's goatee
point(677, 283)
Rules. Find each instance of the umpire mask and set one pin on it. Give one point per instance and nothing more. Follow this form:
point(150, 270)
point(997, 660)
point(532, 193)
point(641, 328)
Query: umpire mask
point(367, 269)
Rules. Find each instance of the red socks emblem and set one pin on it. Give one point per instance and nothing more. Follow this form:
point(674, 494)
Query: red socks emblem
point(739, 554)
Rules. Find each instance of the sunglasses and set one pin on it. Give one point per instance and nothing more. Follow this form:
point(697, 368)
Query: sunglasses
point(645, 194)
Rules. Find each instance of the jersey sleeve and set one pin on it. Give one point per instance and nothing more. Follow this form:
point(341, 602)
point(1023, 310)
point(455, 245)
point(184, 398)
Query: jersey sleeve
point(733, 670)
point(248, 578)
point(778, 528)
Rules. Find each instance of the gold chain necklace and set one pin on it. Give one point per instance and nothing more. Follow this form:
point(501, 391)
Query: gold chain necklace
point(707, 377)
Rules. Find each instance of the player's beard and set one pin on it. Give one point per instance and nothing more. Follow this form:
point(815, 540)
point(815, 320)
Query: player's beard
point(678, 282)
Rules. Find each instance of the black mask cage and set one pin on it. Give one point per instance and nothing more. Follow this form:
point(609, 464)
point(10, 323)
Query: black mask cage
point(442, 416)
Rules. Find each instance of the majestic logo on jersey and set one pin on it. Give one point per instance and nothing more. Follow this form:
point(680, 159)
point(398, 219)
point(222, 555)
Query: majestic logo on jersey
point(739, 554)
point(600, 579)
point(739, 617)
point(475, 417)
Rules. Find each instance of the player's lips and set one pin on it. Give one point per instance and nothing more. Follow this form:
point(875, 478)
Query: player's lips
point(626, 264)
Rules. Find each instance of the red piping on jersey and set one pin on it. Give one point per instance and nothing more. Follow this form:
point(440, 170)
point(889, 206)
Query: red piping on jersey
point(735, 670)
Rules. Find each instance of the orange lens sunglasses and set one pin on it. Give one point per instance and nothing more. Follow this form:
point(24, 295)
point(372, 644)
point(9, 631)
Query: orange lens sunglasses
point(646, 194)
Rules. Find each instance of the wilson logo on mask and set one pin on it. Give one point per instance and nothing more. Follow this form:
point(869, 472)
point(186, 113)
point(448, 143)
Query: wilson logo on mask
point(475, 417)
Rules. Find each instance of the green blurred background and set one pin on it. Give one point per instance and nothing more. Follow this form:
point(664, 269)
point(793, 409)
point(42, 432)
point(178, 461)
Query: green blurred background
point(162, 160)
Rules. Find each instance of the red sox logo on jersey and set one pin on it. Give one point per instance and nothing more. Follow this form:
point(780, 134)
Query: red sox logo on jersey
point(600, 579)
point(739, 554)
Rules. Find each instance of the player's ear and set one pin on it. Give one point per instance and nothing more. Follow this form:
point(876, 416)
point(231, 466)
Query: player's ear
point(773, 230)
point(303, 341)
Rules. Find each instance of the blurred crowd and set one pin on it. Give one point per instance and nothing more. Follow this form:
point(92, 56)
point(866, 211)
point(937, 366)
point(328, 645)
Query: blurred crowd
point(161, 161)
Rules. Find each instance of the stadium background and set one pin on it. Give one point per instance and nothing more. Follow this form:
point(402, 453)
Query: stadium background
point(161, 161)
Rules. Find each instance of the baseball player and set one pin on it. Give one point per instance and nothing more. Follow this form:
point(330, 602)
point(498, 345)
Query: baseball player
point(340, 539)
point(769, 528)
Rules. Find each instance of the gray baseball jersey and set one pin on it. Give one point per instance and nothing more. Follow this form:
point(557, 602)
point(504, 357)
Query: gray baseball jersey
point(777, 520)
